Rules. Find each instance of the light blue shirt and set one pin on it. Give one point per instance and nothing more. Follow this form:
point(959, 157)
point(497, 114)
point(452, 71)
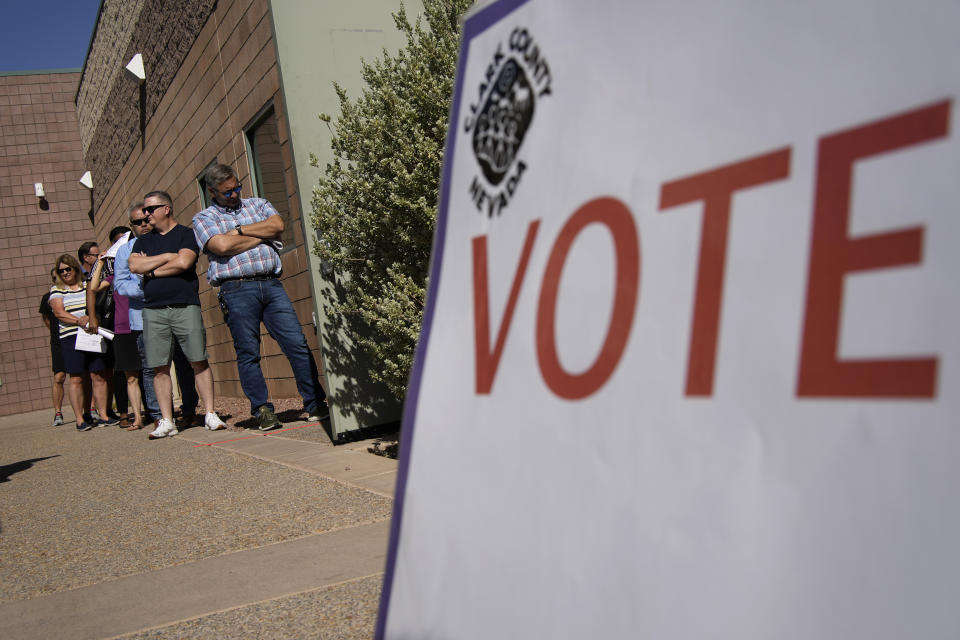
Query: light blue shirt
point(129, 284)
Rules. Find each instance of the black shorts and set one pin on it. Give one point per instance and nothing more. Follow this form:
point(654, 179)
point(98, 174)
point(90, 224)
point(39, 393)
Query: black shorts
point(126, 357)
point(56, 356)
point(108, 356)
point(78, 362)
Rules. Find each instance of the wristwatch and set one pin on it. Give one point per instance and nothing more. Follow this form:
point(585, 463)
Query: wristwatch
point(239, 228)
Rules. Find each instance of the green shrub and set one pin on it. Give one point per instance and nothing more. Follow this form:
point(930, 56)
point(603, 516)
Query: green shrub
point(376, 205)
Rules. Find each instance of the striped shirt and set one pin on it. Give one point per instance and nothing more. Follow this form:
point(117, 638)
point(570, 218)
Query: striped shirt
point(75, 302)
point(262, 260)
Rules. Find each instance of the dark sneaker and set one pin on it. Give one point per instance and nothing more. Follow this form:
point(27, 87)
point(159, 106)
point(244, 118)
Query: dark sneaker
point(189, 420)
point(84, 426)
point(318, 412)
point(58, 419)
point(111, 421)
point(268, 419)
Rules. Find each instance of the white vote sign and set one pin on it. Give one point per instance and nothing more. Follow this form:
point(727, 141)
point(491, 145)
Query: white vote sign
point(689, 366)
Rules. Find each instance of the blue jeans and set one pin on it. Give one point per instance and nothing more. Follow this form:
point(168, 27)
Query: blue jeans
point(188, 390)
point(247, 305)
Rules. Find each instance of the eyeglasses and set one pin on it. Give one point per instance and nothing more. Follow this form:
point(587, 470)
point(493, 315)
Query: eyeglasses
point(149, 210)
point(231, 192)
point(67, 270)
point(139, 221)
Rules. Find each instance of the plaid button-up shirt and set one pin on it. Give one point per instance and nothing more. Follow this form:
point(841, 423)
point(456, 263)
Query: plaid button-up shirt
point(263, 259)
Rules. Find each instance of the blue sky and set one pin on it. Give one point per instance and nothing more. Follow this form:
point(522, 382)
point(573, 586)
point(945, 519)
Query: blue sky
point(45, 34)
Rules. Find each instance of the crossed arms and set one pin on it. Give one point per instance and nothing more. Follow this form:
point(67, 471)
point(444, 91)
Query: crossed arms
point(163, 264)
point(232, 243)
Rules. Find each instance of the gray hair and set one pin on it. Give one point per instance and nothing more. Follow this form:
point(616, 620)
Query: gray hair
point(216, 174)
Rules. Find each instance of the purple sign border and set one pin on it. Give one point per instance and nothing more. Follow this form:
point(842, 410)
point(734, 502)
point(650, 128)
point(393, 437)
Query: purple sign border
point(473, 26)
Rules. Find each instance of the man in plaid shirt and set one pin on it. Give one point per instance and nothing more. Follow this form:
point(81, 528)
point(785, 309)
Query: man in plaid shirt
point(241, 238)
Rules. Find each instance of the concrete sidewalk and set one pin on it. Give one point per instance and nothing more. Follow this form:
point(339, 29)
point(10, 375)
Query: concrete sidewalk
point(206, 534)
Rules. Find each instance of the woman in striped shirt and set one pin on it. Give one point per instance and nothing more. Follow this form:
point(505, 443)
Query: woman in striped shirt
point(68, 299)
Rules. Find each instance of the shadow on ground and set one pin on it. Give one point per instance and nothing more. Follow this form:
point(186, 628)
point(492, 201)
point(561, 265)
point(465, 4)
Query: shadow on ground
point(290, 415)
point(8, 470)
point(387, 445)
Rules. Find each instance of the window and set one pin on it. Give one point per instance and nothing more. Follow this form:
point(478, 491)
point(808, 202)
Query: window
point(266, 168)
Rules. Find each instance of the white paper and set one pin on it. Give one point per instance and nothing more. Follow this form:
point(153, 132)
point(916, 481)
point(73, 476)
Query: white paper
point(112, 251)
point(90, 342)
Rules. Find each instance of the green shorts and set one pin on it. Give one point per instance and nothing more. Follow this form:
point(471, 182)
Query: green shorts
point(160, 328)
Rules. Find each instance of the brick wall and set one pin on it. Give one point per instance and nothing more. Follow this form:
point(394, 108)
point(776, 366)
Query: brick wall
point(39, 142)
point(111, 41)
point(228, 74)
point(111, 104)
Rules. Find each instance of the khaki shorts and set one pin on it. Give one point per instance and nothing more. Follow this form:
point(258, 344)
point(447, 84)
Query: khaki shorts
point(164, 325)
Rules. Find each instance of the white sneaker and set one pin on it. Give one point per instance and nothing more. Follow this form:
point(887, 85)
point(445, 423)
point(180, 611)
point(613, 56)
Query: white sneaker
point(213, 422)
point(164, 428)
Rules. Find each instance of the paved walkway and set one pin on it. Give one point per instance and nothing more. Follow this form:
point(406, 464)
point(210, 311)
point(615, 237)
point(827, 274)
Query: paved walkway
point(207, 534)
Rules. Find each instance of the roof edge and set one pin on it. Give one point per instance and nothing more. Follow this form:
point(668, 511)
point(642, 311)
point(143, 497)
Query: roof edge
point(38, 72)
point(93, 34)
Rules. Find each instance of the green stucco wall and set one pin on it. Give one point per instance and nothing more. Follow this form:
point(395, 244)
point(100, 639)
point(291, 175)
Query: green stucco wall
point(319, 43)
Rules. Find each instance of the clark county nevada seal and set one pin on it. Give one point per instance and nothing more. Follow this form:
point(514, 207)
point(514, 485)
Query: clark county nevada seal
point(516, 78)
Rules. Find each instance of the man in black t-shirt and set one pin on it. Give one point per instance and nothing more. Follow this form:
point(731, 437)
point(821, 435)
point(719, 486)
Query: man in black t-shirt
point(166, 258)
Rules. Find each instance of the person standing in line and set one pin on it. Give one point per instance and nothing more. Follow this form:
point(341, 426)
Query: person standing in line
point(126, 359)
point(241, 238)
point(118, 383)
point(68, 299)
point(87, 254)
point(167, 258)
point(130, 285)
point(102, 308)
point(56, 353)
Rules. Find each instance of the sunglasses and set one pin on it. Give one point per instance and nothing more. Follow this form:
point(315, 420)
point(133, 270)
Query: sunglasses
point(231, 192)
point(149, 210)
point(139, 221)
point(67, 270)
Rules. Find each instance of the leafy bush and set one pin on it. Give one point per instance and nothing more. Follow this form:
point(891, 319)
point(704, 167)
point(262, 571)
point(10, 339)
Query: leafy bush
point(376, 205)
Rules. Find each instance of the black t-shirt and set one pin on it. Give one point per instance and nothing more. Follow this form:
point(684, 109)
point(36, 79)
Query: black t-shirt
point(182, 288)
point(54, 323)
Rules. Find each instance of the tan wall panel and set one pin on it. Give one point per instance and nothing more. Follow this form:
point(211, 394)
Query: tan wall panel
point(282, 388)
point(311, 60)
